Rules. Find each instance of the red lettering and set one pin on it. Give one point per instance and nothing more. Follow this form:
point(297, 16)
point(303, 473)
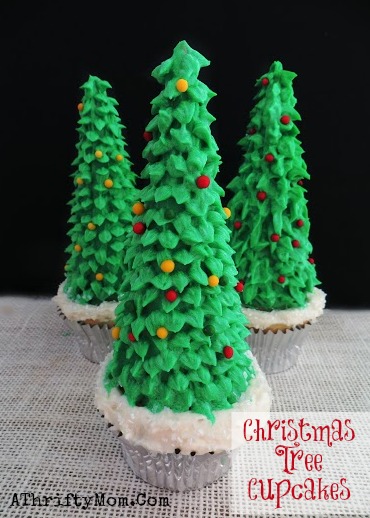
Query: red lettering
point(300, 492)
point(254, 482)
point(333, 491)
point(309, 485)
point(279, 494)
point(344, 495)
point(289, 456)
point(323, 491)
point(313, 462)
point(351, 430)
point(247, 422)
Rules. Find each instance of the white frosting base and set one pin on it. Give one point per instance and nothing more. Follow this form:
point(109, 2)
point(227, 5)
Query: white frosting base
point(104, 312)
point(289, 317)
point(167, 430)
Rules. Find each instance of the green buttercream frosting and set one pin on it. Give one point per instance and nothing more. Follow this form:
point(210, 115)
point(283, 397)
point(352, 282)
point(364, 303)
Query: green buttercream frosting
point(273, 251)
point(101, 204)
point(186, 224)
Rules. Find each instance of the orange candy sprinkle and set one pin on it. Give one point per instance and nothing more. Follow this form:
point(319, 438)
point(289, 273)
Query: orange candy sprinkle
point(167, 266)
point(79, 181)
point(162, 333)
point(78, 248)
point(138, 208)
point(80, 107)
point(227, 211)
point(98, 153)
point(115, 332)
point(99, 276)
point(119, 158)
point(213, 280)
point(182, 85)
point(108, 183)
point(91, 226)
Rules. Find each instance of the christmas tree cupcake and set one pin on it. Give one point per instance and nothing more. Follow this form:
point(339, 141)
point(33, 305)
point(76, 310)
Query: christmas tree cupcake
point(181, 364)
point(270, 227)
point(101, 218)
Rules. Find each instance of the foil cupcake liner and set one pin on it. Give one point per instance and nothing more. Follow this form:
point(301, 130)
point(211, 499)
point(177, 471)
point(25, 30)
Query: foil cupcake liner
point(175, 471)
point(95, 341)
point(277, 351)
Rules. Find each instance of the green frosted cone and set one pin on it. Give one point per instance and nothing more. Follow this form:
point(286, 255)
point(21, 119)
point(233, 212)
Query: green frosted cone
point(101, 204)
point(182, 331)
point(269, 216)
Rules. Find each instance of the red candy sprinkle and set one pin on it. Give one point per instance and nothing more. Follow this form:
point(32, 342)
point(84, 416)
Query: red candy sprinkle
point(237, 224)
point(171, 295)
point(240, 286)
point(139, 228)
point(203, 182)
point(285, 119)
point(228, 352)
point(300, 222)
point(261, 195)
point(275, 237)
point(252, 131)
point(147, 136)
point(311, 260)
point(300, 182)
point(281, 279)
point(269, 157)
point(296, 243)
point(131, 337)
point(265, 81)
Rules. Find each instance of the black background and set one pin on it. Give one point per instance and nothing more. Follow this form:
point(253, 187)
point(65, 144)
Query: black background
point(48, 50)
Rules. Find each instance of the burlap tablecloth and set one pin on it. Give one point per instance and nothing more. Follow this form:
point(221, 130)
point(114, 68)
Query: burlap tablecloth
point(53, 442)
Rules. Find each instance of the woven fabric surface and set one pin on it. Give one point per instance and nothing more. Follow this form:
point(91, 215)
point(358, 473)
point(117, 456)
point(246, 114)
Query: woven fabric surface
point(53, 441)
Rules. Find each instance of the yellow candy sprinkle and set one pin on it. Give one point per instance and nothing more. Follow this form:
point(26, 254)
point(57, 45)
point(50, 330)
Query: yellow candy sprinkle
point(108, 183)
point(91, 226)
point(78, 248)
point(98, 153)
point(138, 208)
point(99, 276)
point(227, 211)
point(213, 280)
point(79, 181)
point(182, 85)
point(167, 266)
point(119, 158)
point(162, 332)
point(115, 332)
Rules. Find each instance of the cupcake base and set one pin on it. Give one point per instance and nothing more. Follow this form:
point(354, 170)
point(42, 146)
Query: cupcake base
point(277, 350)
point(277, 336)
point(179, 451)
point(94, 340)
point(175, 471)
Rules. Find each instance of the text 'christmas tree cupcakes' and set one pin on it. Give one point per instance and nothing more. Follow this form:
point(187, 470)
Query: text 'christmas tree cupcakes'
point(180, 365)
point(101, 216)
point(270, 227)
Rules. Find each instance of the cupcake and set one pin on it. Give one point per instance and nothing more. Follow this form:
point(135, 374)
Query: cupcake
point(92, 324)
point(270, 227)
point(180, 366)
point(101, 218)
point(175, 450)
point(278, 335)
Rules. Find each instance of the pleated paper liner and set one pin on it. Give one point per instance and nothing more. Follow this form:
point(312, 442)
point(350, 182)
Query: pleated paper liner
point(174, 471)
point(94, 340)
point(277, 351)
